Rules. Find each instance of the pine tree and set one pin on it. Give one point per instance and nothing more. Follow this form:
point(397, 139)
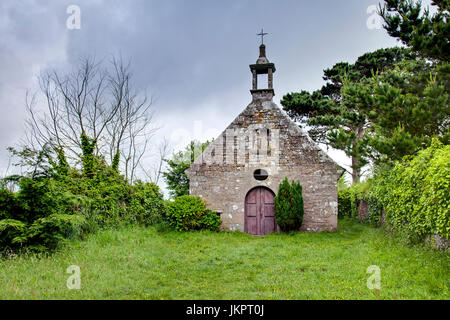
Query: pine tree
point(406, 108)
point(413, 25)
point(335, 122)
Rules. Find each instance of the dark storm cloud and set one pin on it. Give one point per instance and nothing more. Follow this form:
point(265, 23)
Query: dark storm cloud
point(30, 37)
point(192, 55)
point(192, 49)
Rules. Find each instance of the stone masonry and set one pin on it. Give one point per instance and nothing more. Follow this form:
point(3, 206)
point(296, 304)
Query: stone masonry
point(264, 137)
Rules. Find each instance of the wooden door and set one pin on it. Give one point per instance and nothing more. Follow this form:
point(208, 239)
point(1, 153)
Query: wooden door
point(259, 212)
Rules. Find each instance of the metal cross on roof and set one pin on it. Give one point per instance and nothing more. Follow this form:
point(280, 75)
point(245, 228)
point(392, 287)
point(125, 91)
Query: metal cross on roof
point(262, 34)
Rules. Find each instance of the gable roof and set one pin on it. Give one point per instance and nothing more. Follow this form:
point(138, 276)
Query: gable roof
point(279, 117)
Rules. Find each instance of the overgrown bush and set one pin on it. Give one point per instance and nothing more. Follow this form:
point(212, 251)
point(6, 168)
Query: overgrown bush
point(375, 208)
point(147, 204)
point(415, 194)
point(54, 201)
point(187, 213)
point(39, 215)
point(289, 207)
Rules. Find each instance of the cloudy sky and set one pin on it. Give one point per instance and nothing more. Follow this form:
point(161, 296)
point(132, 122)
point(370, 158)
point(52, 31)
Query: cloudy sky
point(191, 55)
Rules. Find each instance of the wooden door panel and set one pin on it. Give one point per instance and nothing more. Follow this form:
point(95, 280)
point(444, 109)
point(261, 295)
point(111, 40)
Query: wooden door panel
point(259, 212)
point(251, 198)
point(268, 197)
point(269, 210)
point(252, 210)
point(269, 226)
point(251, 225)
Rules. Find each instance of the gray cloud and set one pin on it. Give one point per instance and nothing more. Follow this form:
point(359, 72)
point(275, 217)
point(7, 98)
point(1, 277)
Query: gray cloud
point(192, 55)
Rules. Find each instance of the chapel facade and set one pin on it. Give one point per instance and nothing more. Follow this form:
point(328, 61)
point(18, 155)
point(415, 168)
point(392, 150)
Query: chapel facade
point(239, 173)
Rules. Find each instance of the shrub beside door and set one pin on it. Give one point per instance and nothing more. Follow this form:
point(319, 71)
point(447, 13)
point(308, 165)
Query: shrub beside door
point(289, 206)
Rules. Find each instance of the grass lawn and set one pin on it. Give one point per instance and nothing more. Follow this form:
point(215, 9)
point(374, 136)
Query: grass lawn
point(139, 263)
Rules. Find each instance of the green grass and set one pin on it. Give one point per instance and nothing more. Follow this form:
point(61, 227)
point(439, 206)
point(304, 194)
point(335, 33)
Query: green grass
point(139, 263)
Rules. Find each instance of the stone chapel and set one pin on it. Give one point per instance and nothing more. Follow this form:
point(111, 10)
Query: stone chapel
point(239, 173)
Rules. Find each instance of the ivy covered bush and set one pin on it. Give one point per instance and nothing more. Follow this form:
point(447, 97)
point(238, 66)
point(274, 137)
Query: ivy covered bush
point(187, 213)
point(415, 194)
point(146, 204)
point(289, 207)
point(53, 201)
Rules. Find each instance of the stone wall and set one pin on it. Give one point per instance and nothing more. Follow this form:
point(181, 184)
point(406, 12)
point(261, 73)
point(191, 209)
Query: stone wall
point(223, 175)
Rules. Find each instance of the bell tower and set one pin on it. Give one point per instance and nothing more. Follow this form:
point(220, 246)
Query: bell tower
point(260, 91)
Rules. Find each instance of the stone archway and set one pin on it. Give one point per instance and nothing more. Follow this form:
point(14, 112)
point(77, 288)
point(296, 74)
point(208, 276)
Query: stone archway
point(259, 212)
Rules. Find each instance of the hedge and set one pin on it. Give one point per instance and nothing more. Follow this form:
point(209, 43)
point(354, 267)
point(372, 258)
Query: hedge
point(415, 194)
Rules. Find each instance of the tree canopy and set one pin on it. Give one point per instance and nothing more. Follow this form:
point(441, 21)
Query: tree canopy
point(337, 123)
point(405, 108)
point(414, 25)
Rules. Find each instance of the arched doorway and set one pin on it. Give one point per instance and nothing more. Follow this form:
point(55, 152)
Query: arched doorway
point(259, 212)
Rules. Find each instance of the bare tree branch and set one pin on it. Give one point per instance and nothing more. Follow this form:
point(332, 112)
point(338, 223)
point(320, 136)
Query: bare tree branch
point(100, 103)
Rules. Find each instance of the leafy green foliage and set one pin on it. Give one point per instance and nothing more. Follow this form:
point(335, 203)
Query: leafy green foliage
point(88, 158)
point(146, 204)
point(289, 208)
point(344, 203)
point(408, 106)
point(12, 232)
point(175, 177)
point(49, 231)
point(415, 194)
point(7, 203)
point(188, 213)
point(56, 202)
point(39, 215)
point(210, 220)
point(115, 162)
point(62, 166)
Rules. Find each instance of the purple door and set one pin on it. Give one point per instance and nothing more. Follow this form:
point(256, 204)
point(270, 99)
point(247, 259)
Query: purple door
point(259, 212)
